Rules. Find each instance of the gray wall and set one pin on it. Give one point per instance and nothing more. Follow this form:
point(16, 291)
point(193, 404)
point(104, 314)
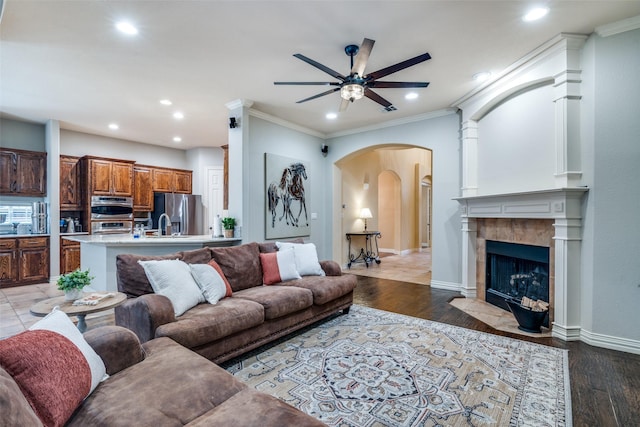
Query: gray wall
point(22, 135)
point(440, 134)
point(611, 144)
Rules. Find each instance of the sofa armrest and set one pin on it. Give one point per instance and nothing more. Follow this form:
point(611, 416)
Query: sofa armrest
point(143, 315)
point(331, 268)
point(118, 347)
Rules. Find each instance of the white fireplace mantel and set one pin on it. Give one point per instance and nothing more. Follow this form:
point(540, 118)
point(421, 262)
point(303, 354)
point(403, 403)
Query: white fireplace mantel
point(564, 206)
point(563, 203)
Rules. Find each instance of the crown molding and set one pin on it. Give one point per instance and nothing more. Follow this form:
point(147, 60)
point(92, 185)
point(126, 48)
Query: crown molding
point(237, 103)
point(286, 123)
point(618, 27)
point(397, 122)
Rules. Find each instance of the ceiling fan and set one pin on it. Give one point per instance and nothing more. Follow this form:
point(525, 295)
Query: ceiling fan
point(357, 84)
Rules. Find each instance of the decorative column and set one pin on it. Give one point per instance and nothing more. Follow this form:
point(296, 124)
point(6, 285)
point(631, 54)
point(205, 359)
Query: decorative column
point(469, 255)
point(567, 98)
point(469, 158)
point(568, 246)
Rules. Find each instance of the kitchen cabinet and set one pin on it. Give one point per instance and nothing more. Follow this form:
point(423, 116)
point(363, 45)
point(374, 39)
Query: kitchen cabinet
point(70, 195)
point(69, 256)
point(108, 177)
point(8, 266)
point(24, 261)
point(167, 180)
point(24, 173)
point(142, 188)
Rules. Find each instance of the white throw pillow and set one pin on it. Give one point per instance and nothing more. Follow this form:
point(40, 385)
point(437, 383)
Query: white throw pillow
point(172, 278)
point(209, 281)
point(58, 322)
point(306, 256)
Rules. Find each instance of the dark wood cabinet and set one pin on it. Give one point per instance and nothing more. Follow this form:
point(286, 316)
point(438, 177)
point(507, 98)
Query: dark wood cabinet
point(69, 256)
point(23, 173)
point(183, 181)
point(8, 266)
point(142, 188)
point(24, 261)
point(70, 194)
point(167, 180)
point(109, 177)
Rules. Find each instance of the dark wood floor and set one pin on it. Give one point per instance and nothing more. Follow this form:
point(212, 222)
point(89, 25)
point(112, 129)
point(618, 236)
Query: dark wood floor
point(605, 384)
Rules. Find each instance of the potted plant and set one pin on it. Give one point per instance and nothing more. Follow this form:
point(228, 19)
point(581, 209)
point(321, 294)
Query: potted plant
point(228, 223)
point(72, 283)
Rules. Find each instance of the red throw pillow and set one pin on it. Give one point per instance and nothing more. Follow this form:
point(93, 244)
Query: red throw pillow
point(215, 265)
point(50, 370)
point(278, 267)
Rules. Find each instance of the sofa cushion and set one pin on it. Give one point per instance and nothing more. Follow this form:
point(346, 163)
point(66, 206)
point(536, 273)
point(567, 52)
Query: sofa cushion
point(171, 387)
point(240, 265)
point(206, 323)
point(278, 267)
point(131, 277)
point(277, 300)
point(15, 408)
point(326, 288)
point(268, 247)
point(173, 279)
point(54, 367)
point(252, 408)
point(195, 256)
point(209, 281)
point(306, 256)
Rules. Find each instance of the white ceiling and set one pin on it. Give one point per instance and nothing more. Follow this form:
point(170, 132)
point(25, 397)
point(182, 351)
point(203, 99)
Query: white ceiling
point(64, 60)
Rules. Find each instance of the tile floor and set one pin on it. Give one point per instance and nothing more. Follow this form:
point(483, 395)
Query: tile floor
point(413, 268)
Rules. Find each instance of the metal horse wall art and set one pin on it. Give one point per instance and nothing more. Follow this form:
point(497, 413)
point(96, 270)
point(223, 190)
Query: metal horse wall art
point(289, 189)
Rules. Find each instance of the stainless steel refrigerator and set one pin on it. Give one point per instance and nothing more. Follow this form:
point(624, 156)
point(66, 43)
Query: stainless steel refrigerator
point(184, 210)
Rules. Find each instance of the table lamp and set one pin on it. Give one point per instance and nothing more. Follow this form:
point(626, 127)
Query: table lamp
point(365, 213)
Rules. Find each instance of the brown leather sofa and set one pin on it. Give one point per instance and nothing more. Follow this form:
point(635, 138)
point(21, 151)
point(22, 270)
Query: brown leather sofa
point(253, 316)
point(158, 383)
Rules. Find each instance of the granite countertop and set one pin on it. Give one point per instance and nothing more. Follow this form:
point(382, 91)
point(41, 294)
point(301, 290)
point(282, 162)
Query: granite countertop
point(129, 240)
point(13, 236)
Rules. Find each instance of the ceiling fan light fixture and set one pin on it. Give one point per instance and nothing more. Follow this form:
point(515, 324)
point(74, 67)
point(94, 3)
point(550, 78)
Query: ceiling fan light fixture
point(352, 92)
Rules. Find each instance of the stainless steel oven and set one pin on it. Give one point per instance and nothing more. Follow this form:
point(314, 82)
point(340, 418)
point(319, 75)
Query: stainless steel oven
point(111, 227)
point(107, 208)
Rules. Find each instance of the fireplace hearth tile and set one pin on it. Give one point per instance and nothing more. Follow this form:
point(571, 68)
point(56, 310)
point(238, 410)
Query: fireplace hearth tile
point(493, 316)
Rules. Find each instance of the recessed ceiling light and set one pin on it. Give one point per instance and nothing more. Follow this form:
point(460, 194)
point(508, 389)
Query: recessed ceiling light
point(535, 14)
point(177, 139)
point(127, 28)
point(178, 115)
point(331, 116)
point(482, 76)
point(411, 95)
point(166, 102)
point(114, 126)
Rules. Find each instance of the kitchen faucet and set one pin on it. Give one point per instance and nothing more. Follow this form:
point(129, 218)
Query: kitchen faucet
point(167, 223)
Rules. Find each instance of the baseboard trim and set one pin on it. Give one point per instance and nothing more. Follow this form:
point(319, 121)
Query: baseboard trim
point(565, 333)
point(610, 342)
point(448, 286)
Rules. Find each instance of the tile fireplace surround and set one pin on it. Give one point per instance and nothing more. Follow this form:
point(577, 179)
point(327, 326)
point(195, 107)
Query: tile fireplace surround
point(550, 218)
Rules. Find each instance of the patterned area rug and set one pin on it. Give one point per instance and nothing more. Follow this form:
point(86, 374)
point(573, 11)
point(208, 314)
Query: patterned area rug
point(375, 368)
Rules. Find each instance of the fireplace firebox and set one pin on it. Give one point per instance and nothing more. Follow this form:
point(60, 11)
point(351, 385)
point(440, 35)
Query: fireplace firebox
point(514, 271)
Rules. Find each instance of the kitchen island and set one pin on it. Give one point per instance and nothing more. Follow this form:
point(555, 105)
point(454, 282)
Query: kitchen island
point(98, 252)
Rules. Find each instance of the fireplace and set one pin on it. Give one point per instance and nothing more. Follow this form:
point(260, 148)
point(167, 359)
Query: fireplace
point(514, 271)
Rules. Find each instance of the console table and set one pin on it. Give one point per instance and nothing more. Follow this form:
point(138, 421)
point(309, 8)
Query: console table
point(367, 254)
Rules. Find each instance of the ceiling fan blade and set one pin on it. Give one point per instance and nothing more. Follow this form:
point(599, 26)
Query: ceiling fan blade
point(377, 98)
point(399, 66)
point(381, 85)
point(344, 104)
point(362, 57)
point(318, 95)
point(308, 83)
point(319, 66)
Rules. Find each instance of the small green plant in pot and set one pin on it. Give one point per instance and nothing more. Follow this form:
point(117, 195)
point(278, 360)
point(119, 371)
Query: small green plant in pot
point(72, 283)
point(228, 223)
